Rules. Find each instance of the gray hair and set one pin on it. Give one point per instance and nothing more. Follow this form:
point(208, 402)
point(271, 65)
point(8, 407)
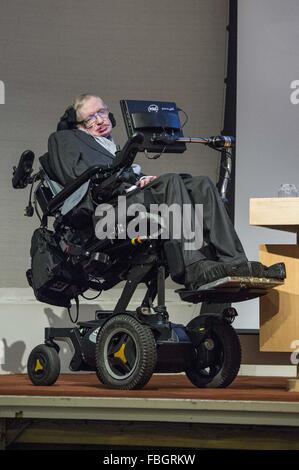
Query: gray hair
point(79, 102)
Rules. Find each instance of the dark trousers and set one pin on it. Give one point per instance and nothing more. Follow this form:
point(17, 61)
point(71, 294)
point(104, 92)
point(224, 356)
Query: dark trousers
point(218, 231)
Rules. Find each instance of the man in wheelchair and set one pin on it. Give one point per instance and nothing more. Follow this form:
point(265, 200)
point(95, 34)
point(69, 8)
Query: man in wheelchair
point(82, 170)
point(90, 143)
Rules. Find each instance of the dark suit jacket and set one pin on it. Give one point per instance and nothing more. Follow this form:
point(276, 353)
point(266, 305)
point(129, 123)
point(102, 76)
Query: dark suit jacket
point(71, 152)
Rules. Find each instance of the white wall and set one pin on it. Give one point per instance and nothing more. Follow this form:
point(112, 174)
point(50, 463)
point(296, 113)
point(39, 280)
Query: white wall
point(23, 321)
point(267, 120)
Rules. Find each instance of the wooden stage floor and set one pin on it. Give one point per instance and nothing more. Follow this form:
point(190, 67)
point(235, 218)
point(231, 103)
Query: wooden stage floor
point(174, 386)
point(253, 413)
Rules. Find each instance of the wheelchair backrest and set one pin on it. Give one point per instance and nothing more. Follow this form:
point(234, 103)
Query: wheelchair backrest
point(49, 188)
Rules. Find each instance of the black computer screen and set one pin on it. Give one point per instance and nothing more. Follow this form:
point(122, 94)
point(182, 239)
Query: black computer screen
point(154, 118)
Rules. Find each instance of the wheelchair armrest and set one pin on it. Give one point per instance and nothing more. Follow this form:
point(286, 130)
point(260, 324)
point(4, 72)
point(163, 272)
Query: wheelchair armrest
point(59, 199)
point(126, 156)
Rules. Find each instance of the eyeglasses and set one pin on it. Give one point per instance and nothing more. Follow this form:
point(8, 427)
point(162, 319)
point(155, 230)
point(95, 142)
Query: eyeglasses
point(91, 120)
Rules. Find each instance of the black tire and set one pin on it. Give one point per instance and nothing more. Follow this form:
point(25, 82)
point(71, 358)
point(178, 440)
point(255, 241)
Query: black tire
point(217, 360)
point(126, 353)
point(43, 366)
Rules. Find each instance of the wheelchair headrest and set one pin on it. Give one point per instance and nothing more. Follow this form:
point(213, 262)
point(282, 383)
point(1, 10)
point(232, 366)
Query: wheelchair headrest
point(69, 120)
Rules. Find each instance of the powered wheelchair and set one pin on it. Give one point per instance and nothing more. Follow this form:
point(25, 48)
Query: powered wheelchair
point(124, 347)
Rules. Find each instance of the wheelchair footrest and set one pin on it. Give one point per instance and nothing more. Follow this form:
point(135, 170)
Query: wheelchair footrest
point(230, 289)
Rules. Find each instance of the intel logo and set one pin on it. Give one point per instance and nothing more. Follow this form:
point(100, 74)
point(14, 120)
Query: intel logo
point(153, 108)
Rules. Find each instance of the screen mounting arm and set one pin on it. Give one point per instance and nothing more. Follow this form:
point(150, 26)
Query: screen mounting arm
point(220, 143)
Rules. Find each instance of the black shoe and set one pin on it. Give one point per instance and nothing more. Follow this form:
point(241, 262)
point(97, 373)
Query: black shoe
point(203, 272)
point(246, 269)
point(256, 269)
point(275, 271)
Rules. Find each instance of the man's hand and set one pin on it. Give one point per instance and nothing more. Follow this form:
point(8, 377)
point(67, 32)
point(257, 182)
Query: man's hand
point(145, 180)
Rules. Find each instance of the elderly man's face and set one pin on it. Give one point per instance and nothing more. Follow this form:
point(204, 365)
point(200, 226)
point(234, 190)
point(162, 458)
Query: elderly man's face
point(95, 115)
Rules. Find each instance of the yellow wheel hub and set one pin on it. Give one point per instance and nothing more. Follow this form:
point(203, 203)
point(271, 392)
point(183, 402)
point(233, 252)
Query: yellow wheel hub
point(120, 354)
point(38, 366)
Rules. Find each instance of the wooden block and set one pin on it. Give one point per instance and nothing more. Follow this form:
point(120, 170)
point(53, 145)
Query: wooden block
point(280, 213)
point(279, 309)
point(293, 385)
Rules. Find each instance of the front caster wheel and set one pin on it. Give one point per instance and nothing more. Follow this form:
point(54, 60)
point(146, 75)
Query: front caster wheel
point(216, 361)
point(126, 353)
point(43, 365)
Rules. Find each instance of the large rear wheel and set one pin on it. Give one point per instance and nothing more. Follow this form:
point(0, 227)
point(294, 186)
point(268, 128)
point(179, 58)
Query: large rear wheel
point(216, 360)
point(126, 353)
